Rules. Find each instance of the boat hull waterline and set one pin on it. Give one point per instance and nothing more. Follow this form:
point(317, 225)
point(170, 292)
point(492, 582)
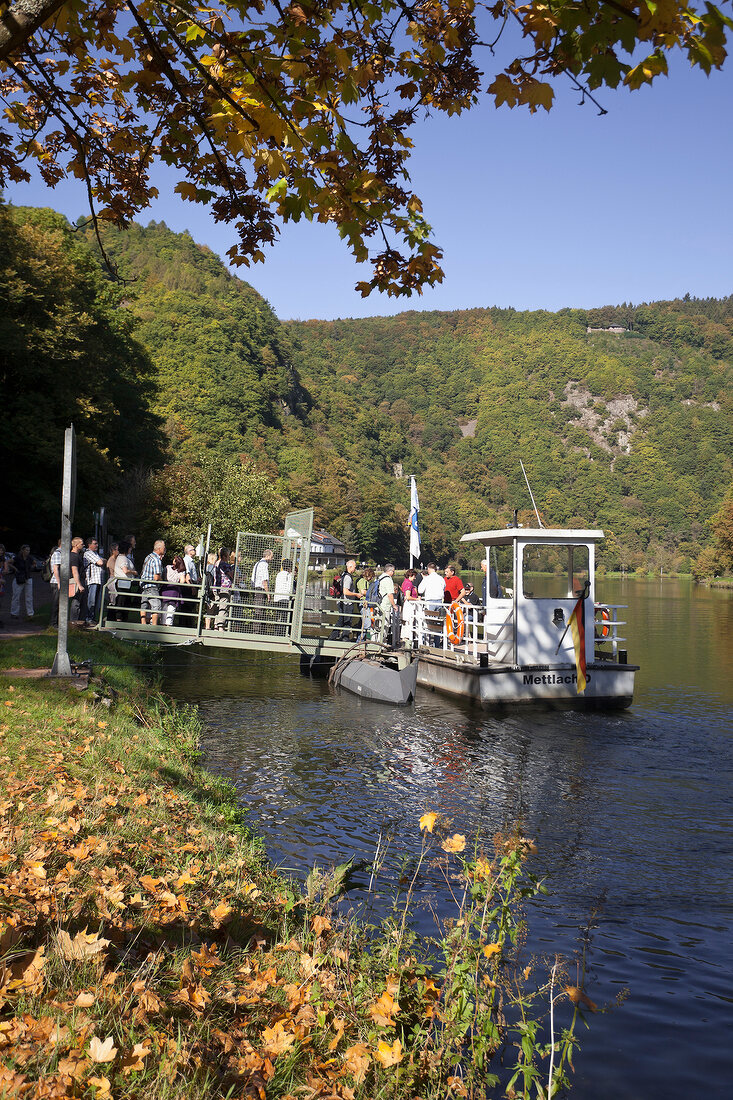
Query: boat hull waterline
point(608, 685)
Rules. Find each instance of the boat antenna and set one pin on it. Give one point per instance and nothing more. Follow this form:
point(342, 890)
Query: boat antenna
point(539, 521)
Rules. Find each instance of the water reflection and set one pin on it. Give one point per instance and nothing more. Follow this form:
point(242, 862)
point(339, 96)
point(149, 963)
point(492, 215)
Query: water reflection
point(635, 807)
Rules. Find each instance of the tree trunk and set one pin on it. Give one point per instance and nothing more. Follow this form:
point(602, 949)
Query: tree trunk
point(21, 20)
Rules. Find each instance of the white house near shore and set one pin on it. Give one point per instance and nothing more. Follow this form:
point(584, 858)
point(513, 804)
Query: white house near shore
point(327, 552)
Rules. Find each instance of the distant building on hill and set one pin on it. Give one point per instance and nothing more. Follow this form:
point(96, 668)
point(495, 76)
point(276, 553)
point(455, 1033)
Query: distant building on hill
point(615, 330)
point(327, 552)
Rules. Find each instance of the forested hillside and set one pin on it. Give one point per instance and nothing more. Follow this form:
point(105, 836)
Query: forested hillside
point(624, 431)
point(629, 430)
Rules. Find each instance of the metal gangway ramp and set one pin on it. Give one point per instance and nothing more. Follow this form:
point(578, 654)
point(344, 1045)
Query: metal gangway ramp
point(244, 616)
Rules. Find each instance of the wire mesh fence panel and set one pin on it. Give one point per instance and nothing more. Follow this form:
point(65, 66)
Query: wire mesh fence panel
point(297, 546)
point(259, 601)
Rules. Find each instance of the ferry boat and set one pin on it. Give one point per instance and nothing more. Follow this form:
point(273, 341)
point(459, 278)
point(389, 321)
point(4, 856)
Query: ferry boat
point(521, 647)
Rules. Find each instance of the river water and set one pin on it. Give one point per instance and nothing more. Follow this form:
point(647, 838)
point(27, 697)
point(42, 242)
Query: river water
point(632, 812)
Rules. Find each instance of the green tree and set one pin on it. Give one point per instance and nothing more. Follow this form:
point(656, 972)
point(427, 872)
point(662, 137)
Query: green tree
point(67, 354)
point(722, 524)
point(178, 503)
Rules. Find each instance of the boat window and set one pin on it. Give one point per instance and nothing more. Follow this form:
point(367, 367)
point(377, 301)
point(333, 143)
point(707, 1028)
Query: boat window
point(500, 572)
point(552, 572)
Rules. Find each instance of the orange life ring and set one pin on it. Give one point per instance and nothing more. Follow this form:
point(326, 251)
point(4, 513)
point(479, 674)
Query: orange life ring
point(455, 637)
point(605, 619)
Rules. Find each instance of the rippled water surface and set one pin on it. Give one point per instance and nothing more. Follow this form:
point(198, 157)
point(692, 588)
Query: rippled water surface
point(633, 809)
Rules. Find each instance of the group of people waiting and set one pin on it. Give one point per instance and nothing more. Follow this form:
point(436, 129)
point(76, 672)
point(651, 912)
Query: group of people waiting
point(370, 606)
point(422, 597)
point(162, 589)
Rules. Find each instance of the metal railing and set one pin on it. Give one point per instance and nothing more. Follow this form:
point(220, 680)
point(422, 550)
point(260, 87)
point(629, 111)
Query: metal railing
point(606, 624)
point(206, 611)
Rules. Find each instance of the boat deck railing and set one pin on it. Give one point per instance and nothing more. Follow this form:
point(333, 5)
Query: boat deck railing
point(608, 641)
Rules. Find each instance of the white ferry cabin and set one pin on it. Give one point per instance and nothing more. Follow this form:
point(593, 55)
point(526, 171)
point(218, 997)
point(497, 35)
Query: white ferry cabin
point(521, 649)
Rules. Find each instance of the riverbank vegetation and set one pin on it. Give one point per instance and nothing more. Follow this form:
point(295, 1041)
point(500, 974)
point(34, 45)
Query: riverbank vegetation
point(148, 948)
point(628, 430)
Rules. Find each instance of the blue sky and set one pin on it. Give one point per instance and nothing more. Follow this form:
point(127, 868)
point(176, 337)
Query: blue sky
point(535, 212)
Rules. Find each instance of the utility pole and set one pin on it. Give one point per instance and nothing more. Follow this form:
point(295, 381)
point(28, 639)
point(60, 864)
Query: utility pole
point(62, 664)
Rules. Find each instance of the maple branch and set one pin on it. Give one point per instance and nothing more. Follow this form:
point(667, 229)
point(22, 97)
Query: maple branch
point(175, 84)
point(206, 73)
point(621, 10)
point(51, 107)
point(111, 267)
point(22, 20)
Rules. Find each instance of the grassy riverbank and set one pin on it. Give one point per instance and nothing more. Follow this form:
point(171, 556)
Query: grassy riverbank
point(147, 948)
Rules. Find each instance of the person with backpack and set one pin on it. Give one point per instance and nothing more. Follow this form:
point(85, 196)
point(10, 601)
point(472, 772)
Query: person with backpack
point(349, 601)
point(388, 605)
point(223, 575)
point(410, 604)
point(362, 587)
point(51, 573)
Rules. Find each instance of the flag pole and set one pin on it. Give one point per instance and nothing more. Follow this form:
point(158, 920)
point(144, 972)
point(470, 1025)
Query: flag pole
point(411, 518)
point(414, 509)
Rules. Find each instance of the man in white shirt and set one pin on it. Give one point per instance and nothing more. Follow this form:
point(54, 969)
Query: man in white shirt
point(55, 583)
point(261, 584)
point(192, 571)
point(282, 595)
point(432, 589)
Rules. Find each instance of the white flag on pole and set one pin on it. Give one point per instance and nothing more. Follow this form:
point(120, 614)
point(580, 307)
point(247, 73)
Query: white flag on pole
point(414, 526)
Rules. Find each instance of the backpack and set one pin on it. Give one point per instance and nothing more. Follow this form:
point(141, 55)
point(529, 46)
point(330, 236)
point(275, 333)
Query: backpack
point(336, 588)
point(372, 592)
point(47, 571)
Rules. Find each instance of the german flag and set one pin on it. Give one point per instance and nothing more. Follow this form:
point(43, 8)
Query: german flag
point(577, 626)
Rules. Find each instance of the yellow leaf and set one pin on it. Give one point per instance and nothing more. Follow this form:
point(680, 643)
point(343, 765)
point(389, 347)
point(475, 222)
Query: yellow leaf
point(85, 945)
point(388, 1055)
point(102, 1051)
point(504, 91)
point(102, 1085)
point(483, 868)
point(276, 1040)
point(383, 1010)
point(339, 1026)
point(578, 997)
point(186, 190)
point(321, 925)
point(427, 821)
point(221, 913)
point(133, 1063)
point(356, 1061)
point(455, 843)
point(491, 949)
